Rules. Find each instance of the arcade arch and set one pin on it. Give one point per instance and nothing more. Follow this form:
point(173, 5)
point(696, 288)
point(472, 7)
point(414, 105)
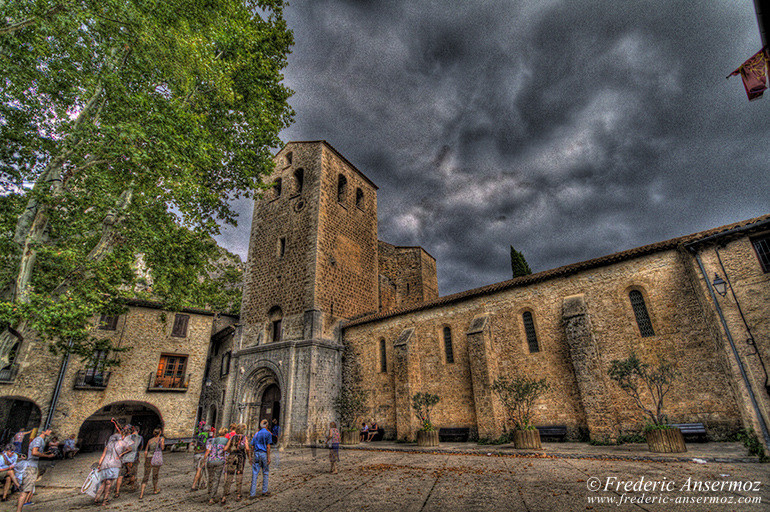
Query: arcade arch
point(97, 428)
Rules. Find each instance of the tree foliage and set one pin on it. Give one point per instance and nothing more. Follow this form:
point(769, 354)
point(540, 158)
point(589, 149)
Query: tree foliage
point(422, 404)
point(518, 395)
point(519, 266)
point(350, 405)
point(648, 386)
point(135, 122)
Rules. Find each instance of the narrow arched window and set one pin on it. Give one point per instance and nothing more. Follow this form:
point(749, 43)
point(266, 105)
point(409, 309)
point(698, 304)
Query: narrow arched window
point(529, 330)
point(383, 357)
point(342, 185)
point(360, 198)
point(288, 158)
point(641, 314)
point(299, 180)
point(277, 188)
point(450, 355)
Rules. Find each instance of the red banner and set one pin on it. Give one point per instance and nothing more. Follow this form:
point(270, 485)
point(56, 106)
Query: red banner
point(754, 74)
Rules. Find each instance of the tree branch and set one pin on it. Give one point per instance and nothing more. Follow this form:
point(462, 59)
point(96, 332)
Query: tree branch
point(8, 29)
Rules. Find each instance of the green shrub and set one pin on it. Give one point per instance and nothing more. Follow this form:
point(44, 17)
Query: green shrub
point(423, 403)
point(518, 396)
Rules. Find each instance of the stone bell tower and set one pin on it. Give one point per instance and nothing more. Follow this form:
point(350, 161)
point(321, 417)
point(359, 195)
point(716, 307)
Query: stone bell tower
point(312, 262)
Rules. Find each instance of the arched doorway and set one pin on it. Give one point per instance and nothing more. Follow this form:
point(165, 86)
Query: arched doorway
point(17, 413)
point(261, 399)
point(271, 404)
point(97, 429)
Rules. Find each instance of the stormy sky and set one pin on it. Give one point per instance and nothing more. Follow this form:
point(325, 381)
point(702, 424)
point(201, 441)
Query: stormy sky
point(568, 129)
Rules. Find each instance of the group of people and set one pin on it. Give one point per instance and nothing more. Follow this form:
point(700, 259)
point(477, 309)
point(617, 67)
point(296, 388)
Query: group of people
point(226, 454)
point(368, 431)
point(21, 470)
point(121, 458)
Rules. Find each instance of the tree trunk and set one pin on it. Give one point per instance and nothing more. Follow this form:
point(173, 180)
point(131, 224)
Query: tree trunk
point(527, 439)
point(350, 437)
point(427, 438)
point(666, 441)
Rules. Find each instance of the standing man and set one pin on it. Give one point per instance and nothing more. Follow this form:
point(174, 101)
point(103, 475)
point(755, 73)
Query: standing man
point(30, 473)
point(128, 470)
point(260, 445)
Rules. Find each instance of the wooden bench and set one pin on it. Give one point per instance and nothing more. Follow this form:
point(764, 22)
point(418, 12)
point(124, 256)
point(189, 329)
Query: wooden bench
point(691, 431)
point(173, 441)
point(454, 435)
point(553, 431)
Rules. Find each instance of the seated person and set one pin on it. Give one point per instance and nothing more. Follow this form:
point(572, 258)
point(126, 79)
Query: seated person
point(8, 461)
point(70, 447)
point(373, 430)
point(364, 431)
point(53, 447)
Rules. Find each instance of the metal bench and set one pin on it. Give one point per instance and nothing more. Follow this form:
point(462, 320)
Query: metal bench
point(553, 431)
point(691, 431)
point(454, 435)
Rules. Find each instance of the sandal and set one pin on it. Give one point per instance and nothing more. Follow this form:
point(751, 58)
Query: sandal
point(238, 498)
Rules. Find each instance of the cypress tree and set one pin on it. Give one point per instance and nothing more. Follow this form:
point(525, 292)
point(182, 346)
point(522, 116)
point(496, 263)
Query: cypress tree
point(519, 266)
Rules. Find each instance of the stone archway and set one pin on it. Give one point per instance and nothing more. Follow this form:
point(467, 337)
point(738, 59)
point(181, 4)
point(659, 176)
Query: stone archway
point(260, 398)
point(17, 413)
point(97, 428)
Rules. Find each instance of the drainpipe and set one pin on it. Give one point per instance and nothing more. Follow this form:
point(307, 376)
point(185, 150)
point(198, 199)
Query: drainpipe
point(57, 389)
point(754, 404)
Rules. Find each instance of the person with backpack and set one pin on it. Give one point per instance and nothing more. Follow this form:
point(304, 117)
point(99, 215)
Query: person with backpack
point(153, 460)
point(238, 451)
point(215, 462)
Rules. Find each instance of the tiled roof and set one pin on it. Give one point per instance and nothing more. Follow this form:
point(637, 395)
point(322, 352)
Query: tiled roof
point(561, 271)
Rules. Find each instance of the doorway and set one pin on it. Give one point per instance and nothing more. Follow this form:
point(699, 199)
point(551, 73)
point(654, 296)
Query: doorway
point(271, 405)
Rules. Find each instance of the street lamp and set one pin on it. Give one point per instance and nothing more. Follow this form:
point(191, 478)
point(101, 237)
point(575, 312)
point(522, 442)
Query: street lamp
point(719, 285)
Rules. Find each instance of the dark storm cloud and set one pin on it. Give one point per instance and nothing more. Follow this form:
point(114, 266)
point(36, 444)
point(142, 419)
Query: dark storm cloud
point(568, 129)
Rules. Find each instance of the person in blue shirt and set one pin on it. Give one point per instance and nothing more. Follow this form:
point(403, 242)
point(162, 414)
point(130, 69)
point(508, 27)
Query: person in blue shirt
point(260, 444)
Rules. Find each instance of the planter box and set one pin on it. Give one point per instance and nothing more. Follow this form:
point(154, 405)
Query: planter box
point(666, 441)
point(427, 438)
point(527, 439)
point(351, 437)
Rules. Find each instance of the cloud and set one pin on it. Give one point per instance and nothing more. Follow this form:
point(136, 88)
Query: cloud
point(567, 129)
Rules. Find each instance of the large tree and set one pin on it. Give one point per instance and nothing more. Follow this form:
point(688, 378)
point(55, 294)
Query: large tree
point(135, 122)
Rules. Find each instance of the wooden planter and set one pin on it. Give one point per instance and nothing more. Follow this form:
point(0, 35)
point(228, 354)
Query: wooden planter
point(527, 439)
point(427, 438)
point(351, 437)
point(666, 441)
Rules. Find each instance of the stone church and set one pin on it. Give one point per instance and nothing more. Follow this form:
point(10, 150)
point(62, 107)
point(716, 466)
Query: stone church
point(325, 301)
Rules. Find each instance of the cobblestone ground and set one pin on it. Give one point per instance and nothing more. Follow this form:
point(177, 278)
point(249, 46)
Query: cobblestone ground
point(389, 480)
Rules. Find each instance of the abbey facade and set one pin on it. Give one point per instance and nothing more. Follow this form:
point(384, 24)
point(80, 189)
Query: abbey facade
point(325, 303)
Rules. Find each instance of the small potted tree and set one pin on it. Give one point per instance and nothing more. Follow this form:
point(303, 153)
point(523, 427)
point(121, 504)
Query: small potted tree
point(422, 403)
point(634, 376)
point(350, 405)
point(518, 395)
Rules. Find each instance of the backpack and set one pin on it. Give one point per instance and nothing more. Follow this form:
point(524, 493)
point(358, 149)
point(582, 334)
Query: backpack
point(235, 443)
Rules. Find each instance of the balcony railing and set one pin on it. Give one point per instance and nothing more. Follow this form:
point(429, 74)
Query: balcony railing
point(165, 383)
point(90, 379)
point(8, 374)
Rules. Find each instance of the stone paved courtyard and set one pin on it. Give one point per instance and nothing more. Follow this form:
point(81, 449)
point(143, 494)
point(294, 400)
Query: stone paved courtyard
point(462, 478)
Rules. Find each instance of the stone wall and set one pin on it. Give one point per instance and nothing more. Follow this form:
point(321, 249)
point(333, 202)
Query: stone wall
point(577, 342)
point(412, 273)
point(346, 270)
point(285, 281)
